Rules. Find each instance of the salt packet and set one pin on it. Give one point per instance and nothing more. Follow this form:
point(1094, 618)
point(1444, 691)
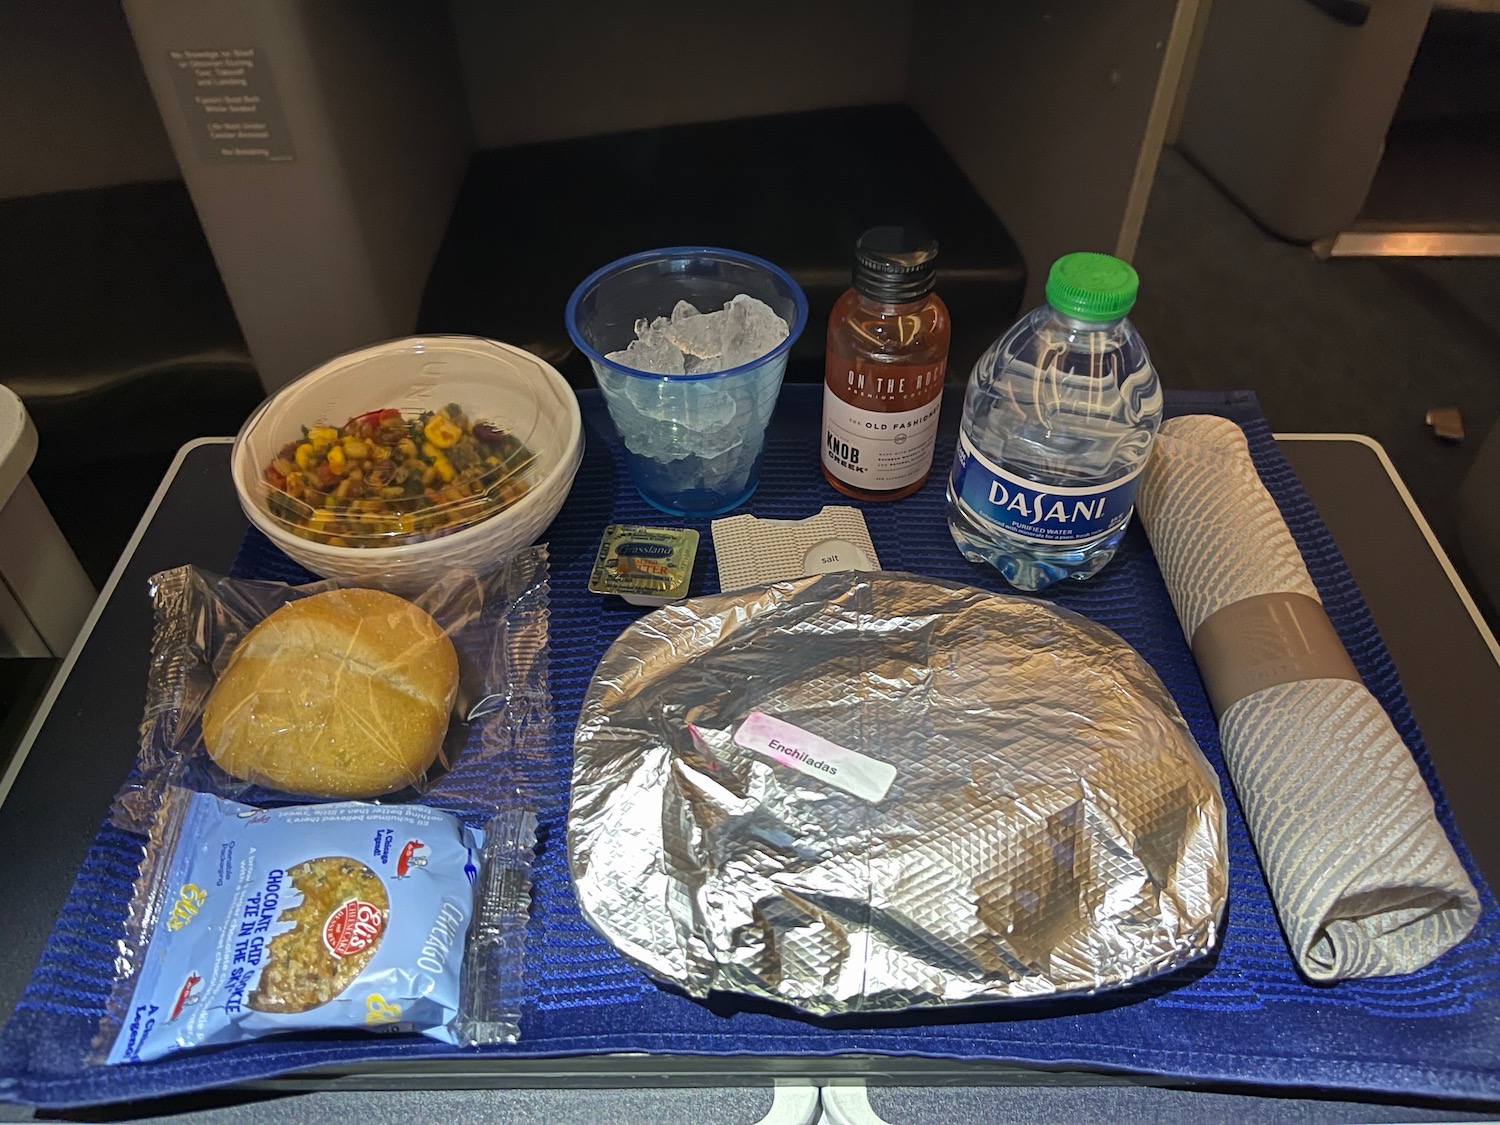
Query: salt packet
point(752, 551)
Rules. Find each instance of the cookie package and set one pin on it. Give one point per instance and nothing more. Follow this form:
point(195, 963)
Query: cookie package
point(249, 921)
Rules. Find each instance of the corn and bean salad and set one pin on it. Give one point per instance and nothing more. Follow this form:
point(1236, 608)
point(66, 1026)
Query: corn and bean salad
point(386, 477)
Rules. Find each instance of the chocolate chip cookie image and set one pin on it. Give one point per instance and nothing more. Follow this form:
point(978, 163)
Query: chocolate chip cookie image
point(336, 929)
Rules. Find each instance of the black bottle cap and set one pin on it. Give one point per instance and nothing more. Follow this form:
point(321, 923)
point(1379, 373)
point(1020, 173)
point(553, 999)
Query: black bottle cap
point(895, 264)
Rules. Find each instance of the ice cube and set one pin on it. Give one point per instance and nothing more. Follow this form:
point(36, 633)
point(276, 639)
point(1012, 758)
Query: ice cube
point(704, 407)
point(651, 353)
point(705, 335)
point(650, 331)
point(651, 398)
point(741, 332)
point(758, 317)
point(630, 421)
point(692, 365)
point(737, 354)
point(728, 472)
point(675, 412)
point(757, 330)
point(718, 441)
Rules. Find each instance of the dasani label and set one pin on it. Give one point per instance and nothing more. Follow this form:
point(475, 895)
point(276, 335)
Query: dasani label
point(1052, 513)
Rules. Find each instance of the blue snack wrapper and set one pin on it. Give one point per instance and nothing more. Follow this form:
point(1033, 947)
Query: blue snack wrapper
point(251, 921)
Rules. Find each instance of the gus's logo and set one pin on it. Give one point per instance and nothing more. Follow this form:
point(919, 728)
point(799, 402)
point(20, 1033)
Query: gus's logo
point(352, 928)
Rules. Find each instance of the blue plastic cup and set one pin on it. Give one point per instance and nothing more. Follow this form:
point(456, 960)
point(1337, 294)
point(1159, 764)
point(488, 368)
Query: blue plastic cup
point(695, 442)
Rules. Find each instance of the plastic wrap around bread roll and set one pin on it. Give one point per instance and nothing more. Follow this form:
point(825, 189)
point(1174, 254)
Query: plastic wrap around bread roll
point(343, 694)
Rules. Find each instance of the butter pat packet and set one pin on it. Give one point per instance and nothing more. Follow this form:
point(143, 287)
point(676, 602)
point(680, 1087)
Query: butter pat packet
point(753, 551)
point(645, 565)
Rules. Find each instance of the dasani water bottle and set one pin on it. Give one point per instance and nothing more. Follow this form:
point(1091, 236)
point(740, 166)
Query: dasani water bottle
point(1058, 421)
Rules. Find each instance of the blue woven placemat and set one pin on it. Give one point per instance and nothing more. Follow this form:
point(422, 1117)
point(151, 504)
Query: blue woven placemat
point(1243, 1015)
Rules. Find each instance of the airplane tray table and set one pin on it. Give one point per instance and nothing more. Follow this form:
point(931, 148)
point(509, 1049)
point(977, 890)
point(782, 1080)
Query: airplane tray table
point(1243, 1015)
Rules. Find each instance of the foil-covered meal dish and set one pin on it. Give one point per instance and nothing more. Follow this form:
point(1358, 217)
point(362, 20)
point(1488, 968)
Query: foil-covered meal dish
point(864, 792)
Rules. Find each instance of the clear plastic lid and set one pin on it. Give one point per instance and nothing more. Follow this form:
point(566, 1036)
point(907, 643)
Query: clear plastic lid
point(394, 475)
point(396, 444)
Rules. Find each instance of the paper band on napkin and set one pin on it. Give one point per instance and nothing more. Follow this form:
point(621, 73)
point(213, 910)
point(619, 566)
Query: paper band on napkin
point(1266, 640)
point(1363, 876)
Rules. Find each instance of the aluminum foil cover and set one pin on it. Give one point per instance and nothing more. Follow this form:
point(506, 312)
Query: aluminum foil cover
point(1048, 824)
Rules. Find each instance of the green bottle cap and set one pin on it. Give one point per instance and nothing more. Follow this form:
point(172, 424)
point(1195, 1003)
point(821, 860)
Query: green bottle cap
point(1092, 286)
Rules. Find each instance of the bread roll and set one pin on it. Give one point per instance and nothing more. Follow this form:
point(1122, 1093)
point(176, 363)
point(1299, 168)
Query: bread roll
point(344, 694)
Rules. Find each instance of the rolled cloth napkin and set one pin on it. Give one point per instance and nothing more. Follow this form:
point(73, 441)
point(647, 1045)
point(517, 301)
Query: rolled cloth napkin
point(1364, 879)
